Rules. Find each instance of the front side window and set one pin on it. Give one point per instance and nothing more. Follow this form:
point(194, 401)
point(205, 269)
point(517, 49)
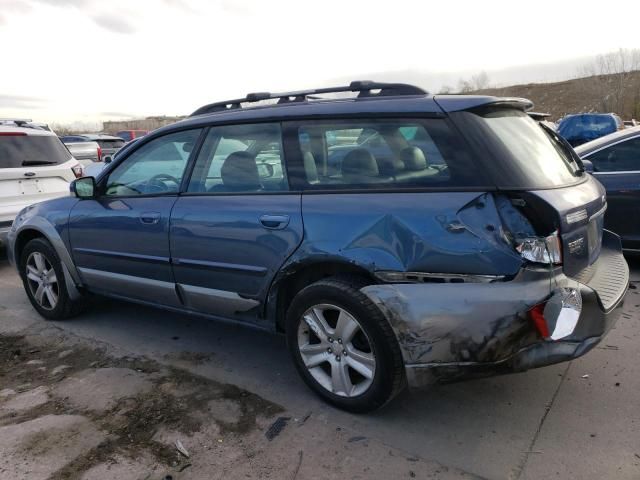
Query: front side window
point(622, 157)
point(386, 154)
point(155, 168)
point(240, 158)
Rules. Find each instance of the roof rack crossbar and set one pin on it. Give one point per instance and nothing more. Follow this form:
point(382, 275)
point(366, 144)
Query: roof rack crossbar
point(365, 89)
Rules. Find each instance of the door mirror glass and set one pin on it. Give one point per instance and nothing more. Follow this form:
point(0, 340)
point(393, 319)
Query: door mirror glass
point(84, 187)
point(588, 166)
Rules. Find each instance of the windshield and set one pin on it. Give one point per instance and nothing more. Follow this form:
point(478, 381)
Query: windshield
point(18, 151)
point(532, 157)
point(586, 127)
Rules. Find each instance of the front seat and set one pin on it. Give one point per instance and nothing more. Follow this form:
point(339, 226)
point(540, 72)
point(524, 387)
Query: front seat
point(239, 173)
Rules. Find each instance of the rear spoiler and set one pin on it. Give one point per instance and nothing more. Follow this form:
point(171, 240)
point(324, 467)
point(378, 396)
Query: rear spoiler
point(457, 103)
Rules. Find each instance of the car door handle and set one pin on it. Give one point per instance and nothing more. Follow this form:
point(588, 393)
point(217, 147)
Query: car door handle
point(274, 222)
point(150, 218)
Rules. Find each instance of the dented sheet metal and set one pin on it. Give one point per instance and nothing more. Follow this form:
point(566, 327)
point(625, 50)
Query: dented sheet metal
point(470, 322)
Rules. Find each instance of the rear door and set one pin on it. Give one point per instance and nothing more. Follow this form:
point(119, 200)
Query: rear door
point(236, 224)
point(617, 167)
point(33, 168)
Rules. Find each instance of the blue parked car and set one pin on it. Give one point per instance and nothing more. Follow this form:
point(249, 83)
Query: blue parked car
point(584, 127)
point(615, 161)
point(455, 238)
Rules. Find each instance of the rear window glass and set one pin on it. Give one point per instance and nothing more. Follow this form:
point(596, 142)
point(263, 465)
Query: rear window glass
point(31, 150)
point(534, 157)
point(110, 143)
point(386, 154)
point(126, 136)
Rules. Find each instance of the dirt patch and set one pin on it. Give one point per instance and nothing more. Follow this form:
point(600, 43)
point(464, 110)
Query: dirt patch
point(128, 399)
point(194, 358)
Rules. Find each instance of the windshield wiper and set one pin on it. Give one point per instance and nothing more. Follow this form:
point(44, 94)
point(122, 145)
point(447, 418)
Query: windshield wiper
point(29, 163)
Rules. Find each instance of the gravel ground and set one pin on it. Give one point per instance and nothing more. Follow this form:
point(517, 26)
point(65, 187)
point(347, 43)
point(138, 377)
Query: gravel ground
point(118, 392)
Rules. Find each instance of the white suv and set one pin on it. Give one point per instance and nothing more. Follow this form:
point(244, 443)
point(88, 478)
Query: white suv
point(34, 166)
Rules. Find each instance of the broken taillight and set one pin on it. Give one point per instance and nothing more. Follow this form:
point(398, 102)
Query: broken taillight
point(547, 250)
point(78, 171)
point(537, 316)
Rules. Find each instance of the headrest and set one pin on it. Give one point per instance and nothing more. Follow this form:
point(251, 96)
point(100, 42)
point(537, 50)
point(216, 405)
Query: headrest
point(239, 170)
point(413, 159)
point(360, 162)
point(310, 167)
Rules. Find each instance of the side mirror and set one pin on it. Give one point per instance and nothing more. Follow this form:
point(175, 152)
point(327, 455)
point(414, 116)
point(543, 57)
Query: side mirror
point(107, 159)
point(84, 188)
point(588, 166)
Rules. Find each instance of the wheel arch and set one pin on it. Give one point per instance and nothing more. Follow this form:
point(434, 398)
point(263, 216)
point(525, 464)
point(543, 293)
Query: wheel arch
point(299, 275)
point(39, 227)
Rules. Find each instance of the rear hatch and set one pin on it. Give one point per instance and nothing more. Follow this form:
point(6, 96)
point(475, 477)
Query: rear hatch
point(543, 177)
point(110, 146)
point(33, 168)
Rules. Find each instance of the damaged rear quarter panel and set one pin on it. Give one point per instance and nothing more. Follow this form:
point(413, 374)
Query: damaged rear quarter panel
point(435, 232)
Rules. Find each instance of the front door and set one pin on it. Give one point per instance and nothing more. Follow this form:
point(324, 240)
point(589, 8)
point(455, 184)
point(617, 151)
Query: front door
point(236, 224)
point(617, 167)
point(120, 240)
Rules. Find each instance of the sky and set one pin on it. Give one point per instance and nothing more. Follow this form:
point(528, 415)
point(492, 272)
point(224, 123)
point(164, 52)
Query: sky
point(67, 61)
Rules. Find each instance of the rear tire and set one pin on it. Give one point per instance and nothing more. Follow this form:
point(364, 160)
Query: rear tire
point(343, 346)
point(44, 281)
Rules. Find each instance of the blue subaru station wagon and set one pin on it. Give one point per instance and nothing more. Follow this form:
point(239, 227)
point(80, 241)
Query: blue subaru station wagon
point(395, 237)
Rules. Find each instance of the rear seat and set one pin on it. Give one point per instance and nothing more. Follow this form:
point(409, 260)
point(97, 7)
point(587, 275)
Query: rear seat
point(415, 165)
point(359, 166)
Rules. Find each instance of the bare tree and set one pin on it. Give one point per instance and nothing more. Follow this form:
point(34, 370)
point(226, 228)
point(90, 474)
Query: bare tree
point(480, 81)
point(445, 89)
point(464, 86)
point(611, 78)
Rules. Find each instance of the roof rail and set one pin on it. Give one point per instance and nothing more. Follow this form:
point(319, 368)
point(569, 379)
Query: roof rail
point(365, 88)
point(17, 121)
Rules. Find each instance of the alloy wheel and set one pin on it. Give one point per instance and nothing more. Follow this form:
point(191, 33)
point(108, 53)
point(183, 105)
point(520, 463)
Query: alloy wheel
point(336, 350)
point(42, 280)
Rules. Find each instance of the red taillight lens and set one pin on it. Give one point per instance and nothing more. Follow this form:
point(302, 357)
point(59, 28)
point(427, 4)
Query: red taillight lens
point(99, 154)
point(537, 316)
point(13, 134)
point(77, 171)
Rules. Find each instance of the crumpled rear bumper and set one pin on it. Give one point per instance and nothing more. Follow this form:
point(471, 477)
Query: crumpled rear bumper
point(450, 332)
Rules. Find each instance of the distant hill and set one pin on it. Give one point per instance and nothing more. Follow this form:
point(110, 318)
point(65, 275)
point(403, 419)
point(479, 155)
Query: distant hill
point(604, 93)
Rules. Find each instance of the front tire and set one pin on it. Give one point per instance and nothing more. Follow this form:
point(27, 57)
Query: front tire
point(44, 281)
point(343, 347)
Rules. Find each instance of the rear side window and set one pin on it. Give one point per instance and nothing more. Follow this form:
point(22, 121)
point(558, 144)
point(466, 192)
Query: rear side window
point(240, 159)
point(17, 151)
point(386, 154)
point(622, 157)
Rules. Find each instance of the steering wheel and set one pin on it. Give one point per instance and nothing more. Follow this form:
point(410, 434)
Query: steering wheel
point(157, 181)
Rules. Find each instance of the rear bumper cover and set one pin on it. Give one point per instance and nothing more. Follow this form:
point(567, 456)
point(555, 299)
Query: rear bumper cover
point(450, 332)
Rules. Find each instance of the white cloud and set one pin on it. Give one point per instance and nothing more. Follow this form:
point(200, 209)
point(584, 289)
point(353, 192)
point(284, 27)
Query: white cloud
point(87, 57)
